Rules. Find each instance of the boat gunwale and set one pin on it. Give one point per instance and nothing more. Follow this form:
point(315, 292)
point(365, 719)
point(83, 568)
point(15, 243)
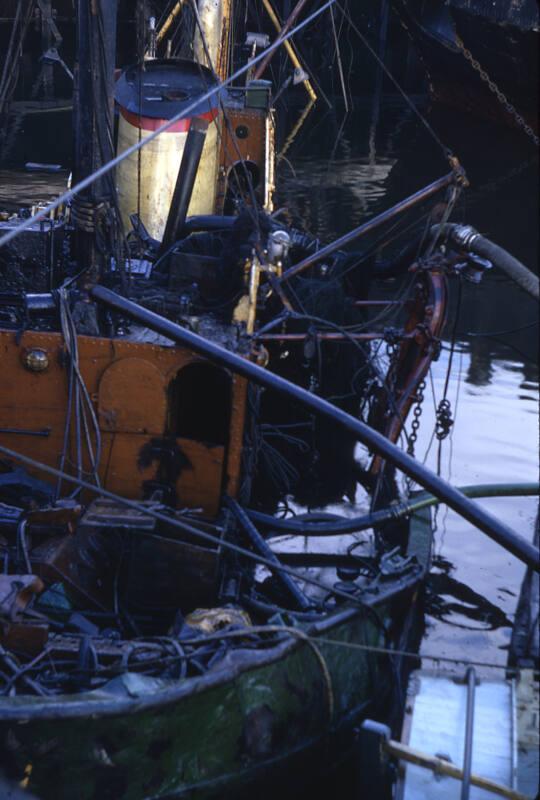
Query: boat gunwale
point(25, 708)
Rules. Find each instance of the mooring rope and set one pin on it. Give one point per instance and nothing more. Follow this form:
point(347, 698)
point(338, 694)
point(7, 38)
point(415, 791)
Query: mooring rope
point(368, 648)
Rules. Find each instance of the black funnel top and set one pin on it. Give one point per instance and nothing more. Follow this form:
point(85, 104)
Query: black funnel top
point(168, 88)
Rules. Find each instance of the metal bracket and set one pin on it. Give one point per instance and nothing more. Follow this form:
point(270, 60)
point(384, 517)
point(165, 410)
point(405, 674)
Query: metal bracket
point(52, 56)
point(46, 13)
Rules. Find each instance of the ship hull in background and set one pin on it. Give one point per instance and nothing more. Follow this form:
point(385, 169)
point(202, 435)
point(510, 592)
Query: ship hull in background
point(503, 37)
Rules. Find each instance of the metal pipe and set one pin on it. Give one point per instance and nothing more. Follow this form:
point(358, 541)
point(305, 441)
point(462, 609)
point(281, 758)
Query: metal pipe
point(212, 34)
point(264, 550)
point(375, 441)
point(169, 21)
point(470, 677)
point(325, 337)
point(288, 45)
point(442, 767)
point(183, 191)
point(370, 225)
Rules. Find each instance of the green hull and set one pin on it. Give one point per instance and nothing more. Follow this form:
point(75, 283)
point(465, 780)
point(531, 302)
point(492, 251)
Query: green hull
point(256, 716)
point(216, 731)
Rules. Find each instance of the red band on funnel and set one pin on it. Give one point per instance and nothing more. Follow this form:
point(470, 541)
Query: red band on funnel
point(150, 124)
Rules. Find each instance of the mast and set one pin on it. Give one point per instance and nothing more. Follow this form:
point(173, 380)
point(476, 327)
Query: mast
point(212, 35)
point(94, 209)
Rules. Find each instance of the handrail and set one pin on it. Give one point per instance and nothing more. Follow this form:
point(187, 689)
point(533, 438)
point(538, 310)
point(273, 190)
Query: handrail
point(442, 767)
point(370, 225)
point(470, 678)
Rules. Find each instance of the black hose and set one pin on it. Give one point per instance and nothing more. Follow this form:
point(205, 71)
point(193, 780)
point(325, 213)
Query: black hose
point(378, 443)
point(185, 183)
point(318, 524)
point(265, 550)
point(316, 527)
point(208, 222)
point(469, 239)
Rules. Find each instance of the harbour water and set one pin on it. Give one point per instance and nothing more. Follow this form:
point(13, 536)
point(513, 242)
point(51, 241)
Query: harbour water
point(377, 157)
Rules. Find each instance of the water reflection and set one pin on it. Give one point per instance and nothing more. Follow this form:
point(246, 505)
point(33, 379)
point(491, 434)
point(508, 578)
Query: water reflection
point(20, 188)
point(493, 387)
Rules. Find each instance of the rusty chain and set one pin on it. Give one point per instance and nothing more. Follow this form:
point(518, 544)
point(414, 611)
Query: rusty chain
point(417, 413)
point(501, 97)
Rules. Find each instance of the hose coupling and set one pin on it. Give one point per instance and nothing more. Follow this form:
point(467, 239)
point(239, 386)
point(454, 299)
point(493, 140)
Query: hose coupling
point(464, 236)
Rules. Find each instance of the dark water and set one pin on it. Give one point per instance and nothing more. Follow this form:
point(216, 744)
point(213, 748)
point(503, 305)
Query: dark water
point(343, 169)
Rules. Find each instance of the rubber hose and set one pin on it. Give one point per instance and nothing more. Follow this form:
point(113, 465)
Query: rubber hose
point(501, 258)
point(311, 525)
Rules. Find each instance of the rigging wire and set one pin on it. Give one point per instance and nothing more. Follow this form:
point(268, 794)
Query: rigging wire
point(370, 363)
point(79, 402)
point(183, 526)
point(491, 334)
point(445, 149)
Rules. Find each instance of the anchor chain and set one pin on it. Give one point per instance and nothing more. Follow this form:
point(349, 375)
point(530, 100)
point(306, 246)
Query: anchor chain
point(417, 413)
point(492, 86)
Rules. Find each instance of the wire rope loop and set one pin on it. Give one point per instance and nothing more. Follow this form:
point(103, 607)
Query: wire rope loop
point(444, 420)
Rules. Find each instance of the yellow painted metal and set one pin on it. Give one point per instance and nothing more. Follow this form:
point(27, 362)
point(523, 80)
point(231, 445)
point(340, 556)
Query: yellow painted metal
point(289, 47)
point(442, 767)
point(246, 308)
point(169, 21)
point(269, 162)
point(254, 280)
point(212, 37)
point(159, 164)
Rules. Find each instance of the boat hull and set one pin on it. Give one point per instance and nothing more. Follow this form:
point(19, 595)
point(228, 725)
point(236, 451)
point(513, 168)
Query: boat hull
point(505, 44)
point(220, 731)
point(252, 721)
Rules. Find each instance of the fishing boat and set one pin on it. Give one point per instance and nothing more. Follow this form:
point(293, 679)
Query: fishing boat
point(481, 57)
point(158, 638)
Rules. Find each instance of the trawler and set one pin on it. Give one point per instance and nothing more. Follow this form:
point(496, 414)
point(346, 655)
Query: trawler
point(156, 640)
